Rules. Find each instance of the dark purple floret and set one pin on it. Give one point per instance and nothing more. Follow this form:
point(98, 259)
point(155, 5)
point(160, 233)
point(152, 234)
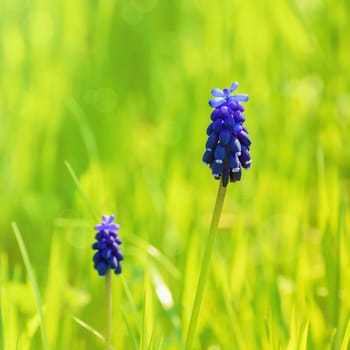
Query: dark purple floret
point(108, 255)
point(228, 145)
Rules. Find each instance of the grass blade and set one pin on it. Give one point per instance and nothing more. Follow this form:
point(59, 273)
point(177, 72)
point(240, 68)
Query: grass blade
point(130, 331)
point(33, 283)
point(154, 253)
point(93, 331)
point(132, 303)
point(345, 342)
point(161, 343)
point(81, 191)
point(303, 336)
point(88, 136)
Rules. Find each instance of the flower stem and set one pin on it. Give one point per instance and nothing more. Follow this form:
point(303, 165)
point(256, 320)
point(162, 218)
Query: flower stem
point(205, 266)
point(108, 310)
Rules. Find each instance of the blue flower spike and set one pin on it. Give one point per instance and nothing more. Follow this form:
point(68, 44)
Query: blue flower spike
point(228, 145)
point(108, 255)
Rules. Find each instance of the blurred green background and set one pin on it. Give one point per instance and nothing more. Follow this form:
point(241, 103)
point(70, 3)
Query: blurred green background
point(119, 89)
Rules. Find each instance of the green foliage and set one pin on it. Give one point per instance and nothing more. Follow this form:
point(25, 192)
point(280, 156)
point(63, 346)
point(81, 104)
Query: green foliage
point(33, 282)
point(116, 93)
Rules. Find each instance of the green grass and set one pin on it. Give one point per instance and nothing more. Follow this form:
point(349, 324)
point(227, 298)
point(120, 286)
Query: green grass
point(116, 93)
point(33, 282)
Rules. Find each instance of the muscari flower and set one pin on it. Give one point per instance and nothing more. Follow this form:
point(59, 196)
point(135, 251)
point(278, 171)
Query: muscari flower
point(108, 255)
point(228, 145)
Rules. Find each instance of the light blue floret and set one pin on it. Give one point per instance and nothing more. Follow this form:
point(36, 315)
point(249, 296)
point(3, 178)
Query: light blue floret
point(223, 96)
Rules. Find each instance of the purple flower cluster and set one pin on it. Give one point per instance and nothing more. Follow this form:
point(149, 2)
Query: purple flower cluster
point(108, 255)
point(228, 144)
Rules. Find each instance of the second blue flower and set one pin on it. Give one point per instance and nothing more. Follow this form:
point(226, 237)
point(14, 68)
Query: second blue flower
point(108, 255)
